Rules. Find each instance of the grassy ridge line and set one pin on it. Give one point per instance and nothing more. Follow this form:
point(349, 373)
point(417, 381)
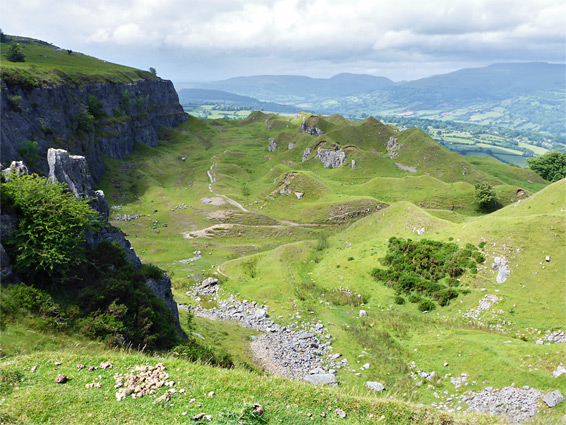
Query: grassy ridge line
point(36, 398)
point(47, 65)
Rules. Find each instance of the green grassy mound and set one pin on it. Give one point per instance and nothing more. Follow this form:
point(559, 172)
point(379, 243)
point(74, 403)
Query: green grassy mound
point(46, 65)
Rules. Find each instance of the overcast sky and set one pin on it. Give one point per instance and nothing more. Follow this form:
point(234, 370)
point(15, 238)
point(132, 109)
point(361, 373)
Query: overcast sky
point(204, 40)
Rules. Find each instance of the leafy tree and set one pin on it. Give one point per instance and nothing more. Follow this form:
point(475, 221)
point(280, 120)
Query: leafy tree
point(153, 71)
point(485, 198)
point(550, 166)
point(14, 54)
point(51, 224)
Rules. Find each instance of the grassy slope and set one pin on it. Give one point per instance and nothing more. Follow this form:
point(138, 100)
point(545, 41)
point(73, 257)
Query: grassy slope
point(48, 65)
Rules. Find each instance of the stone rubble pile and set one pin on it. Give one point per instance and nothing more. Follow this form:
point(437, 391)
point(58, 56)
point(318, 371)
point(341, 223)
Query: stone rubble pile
point(148, 380)
point(296, 351)
point(556, 337)
point(517, 404)
point(484, 304)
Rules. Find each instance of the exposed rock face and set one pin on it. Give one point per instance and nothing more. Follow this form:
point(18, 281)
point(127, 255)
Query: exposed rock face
point(291, 146)
point(5, 266)
point(112, 234)
point(162, 288)
point(272, 145)
point(53, 113)
point(313, 131)
point(331, 158)
point(74, 172)
point(306, 154)
point(500, 265)
point(393, 147)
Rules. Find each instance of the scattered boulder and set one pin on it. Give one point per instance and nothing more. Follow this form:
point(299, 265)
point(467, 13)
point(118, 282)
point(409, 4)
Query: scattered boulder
point(340, 413)
point(322, 379)
point(260, 314)
point(375, 386)
point(291, 146)
point(61, 379)
point(306, 154)
point(553, 398)
point(331, 158)
point(353, 164)
point(560, 370)
point(299, 195)
point(164, 397)
point(363, 313)
point(547, 258)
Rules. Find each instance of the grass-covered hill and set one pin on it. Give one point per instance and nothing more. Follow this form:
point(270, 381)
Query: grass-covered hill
point(214, 187)
point(398, 235)
point(46, 65)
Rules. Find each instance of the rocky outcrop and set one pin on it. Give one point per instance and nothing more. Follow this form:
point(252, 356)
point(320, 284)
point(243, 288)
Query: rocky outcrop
point(331, 158)
point(272, 145)
point(17, 167)
point(125, 114)
point(502, 268)
point(162, 288)
point(393, 147)
point(306, 154)
point(313, 131)
point(73, 171)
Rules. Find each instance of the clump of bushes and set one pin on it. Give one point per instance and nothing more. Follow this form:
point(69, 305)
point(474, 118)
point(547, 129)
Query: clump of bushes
point(51, 223)
point(426, 268)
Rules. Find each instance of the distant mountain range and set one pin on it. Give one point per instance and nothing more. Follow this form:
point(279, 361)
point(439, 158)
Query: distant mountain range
point(527, 96)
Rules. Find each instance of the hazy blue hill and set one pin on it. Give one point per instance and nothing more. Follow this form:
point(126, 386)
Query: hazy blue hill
point(205, 96)
point(494, 82)
point(284, 87)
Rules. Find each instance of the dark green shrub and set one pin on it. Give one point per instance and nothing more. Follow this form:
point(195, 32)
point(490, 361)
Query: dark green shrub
point(149, 271)
point(84, 122)
point(414, 298)
point(485, 198)
point(94, 107)
point(481, 244)
point(350, 258)
point(29, 150)
point(399, 300)
point(427, 305)
point(14, 103)
point(14, 54)
point(422, 267)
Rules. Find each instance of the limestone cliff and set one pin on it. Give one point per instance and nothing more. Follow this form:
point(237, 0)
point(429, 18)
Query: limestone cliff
point(88, 120)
